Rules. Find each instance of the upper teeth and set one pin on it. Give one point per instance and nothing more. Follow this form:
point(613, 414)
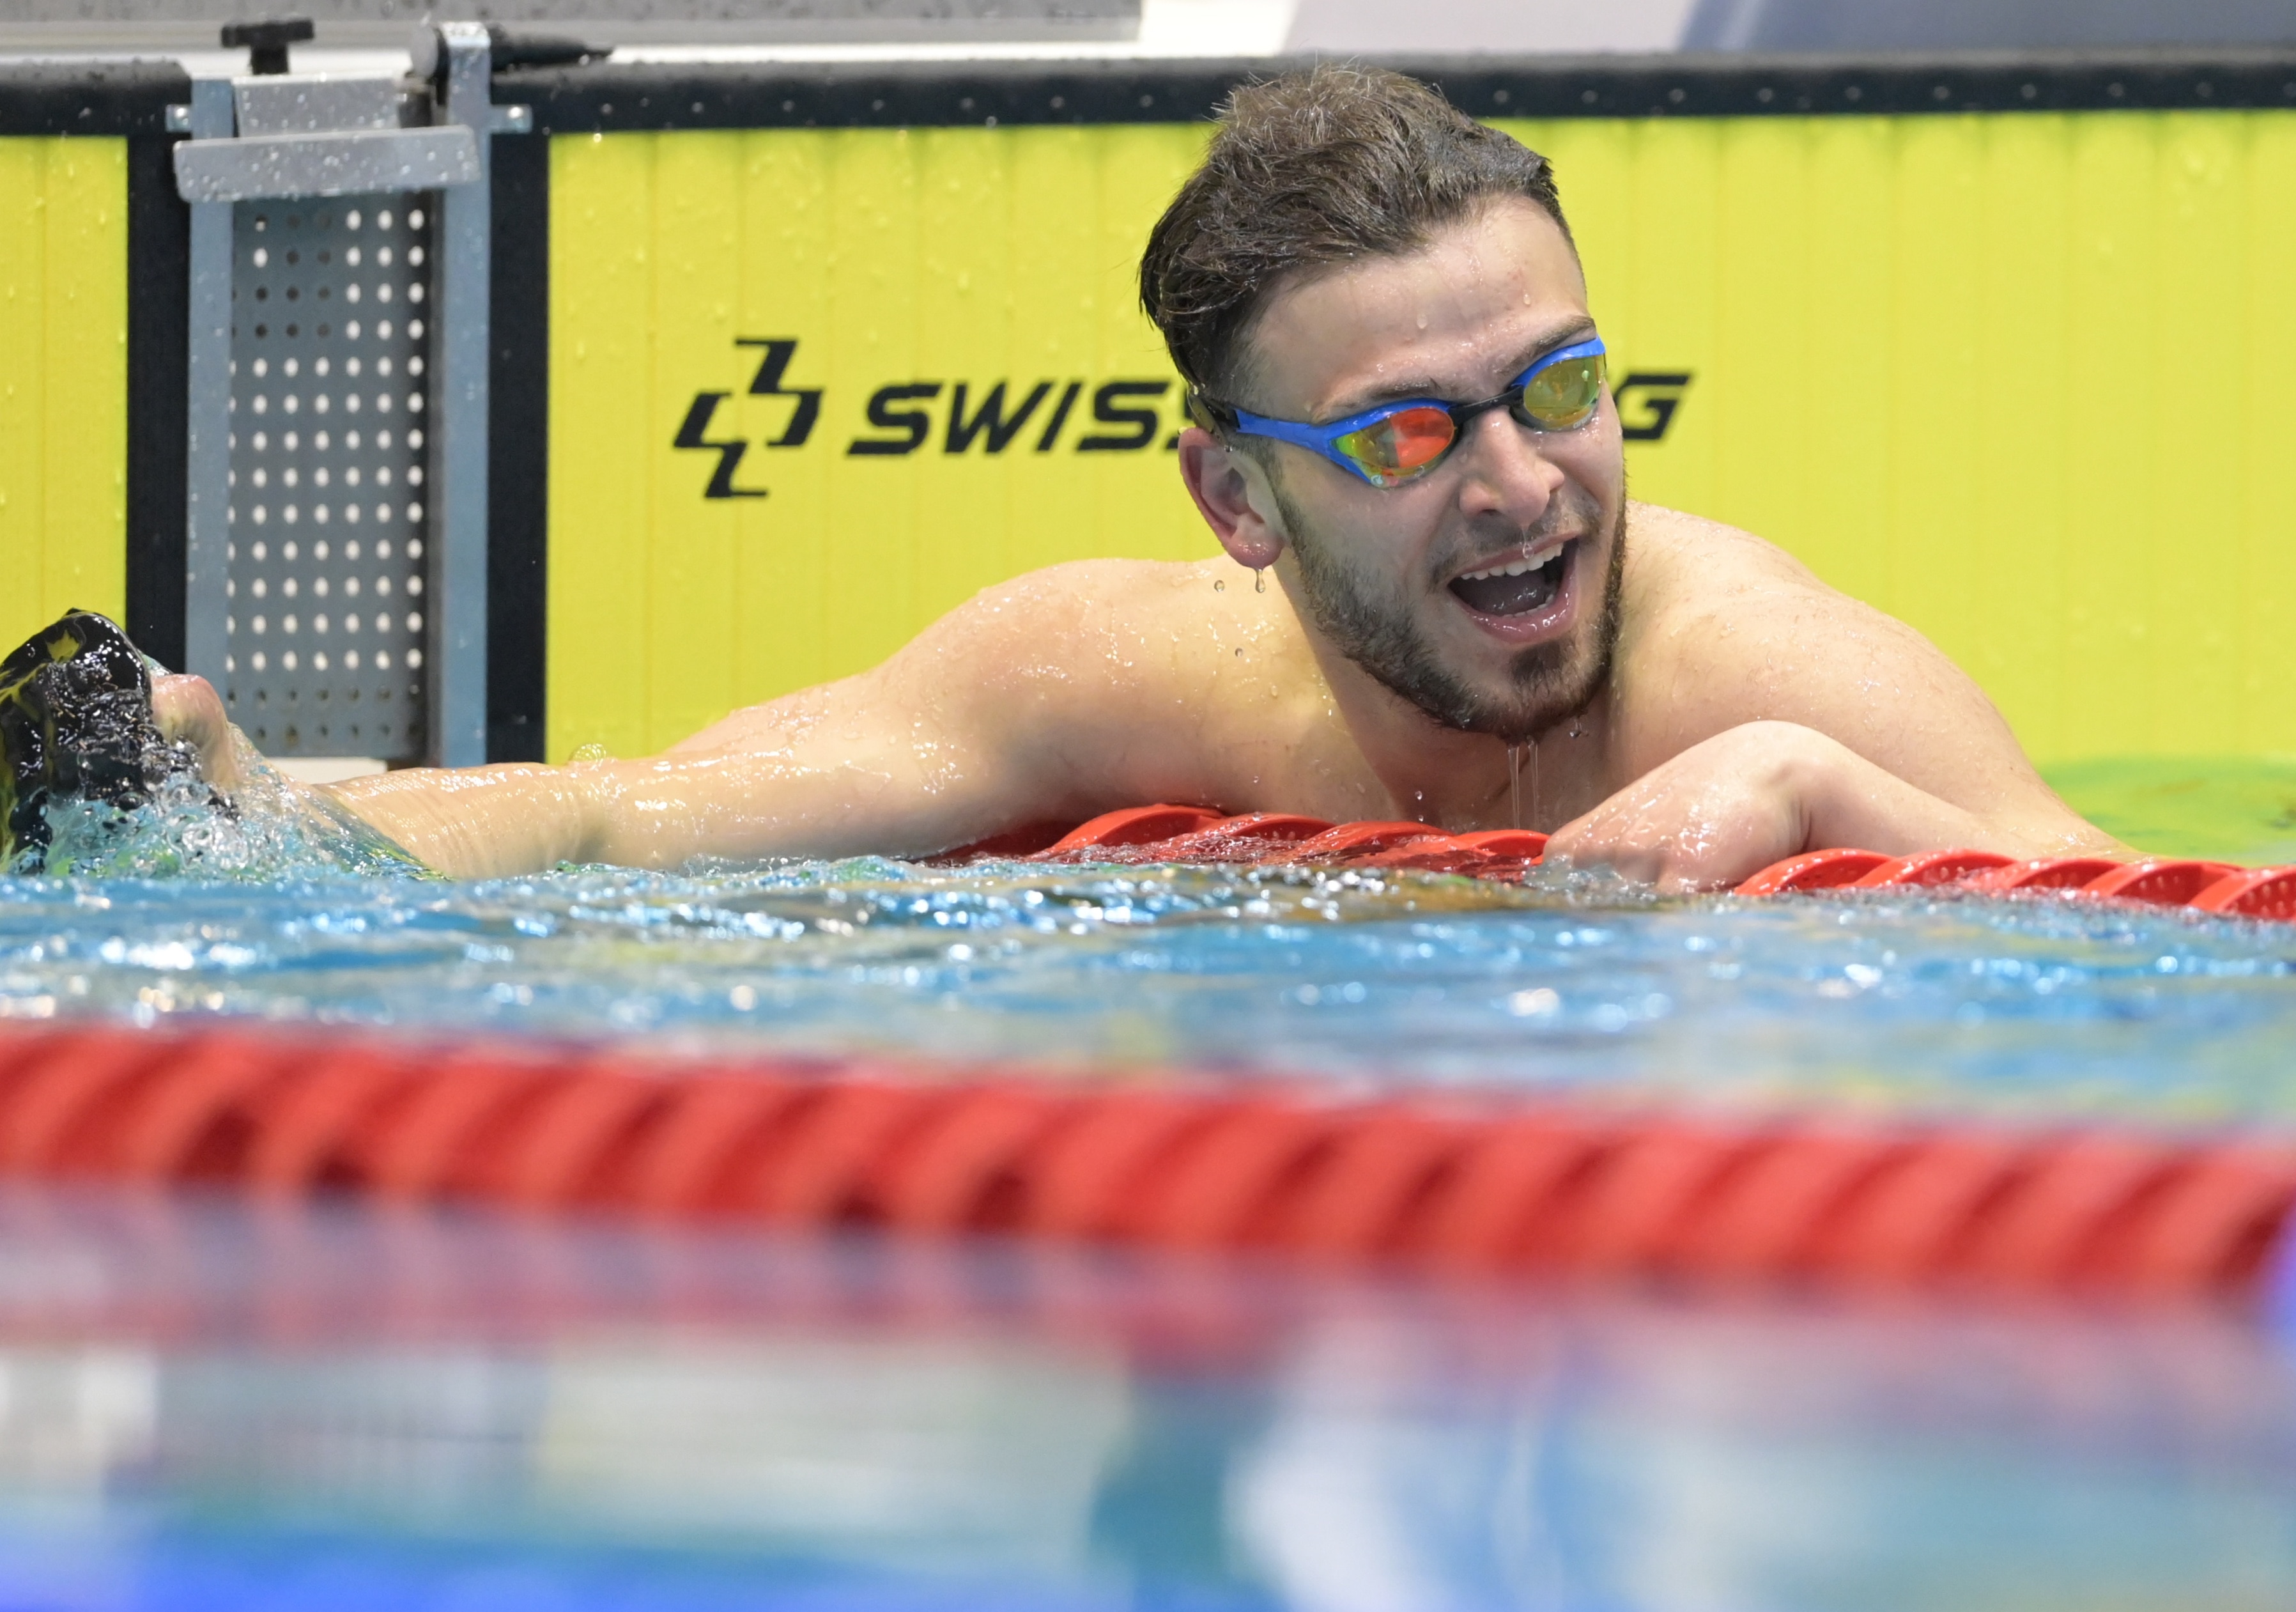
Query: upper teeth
point(1517, 568)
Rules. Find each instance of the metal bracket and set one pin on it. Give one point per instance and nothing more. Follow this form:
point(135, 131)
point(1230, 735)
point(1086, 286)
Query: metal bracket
point(317, 135)
point(250, 169)
point(458, 440)
point(207, 512)
point(279, 135)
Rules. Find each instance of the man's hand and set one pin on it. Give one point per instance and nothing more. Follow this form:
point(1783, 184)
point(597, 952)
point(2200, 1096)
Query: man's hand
point(1726, 809)
point(188, 709)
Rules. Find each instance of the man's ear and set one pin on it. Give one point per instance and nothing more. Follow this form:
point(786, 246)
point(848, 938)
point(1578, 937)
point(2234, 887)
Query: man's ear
point(1231, 489)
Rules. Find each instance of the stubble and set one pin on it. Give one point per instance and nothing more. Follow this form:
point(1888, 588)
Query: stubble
point(1545, 684)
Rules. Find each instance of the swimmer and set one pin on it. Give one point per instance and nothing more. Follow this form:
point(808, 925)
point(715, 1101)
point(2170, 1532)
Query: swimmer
point(1402, 423)
point(76, 723)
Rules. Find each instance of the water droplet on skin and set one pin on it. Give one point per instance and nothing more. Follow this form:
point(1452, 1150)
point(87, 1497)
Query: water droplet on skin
point(1218, 586)
point(1239, 652)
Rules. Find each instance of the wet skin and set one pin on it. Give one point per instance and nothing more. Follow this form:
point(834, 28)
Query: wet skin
point(1748, 712)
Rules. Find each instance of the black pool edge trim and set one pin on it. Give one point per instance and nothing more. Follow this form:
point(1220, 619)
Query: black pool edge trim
point(112, 98)
point(609, 96)
point(131, 97)
point(158, 400)
point(518, 452)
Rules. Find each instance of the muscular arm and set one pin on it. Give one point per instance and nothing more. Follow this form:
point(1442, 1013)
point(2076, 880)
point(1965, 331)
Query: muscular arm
point(855, 764)
point(1765, 714)
point(984, 722)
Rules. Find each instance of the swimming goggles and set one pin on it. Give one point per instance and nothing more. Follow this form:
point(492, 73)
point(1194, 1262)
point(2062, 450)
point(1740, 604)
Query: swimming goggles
point(1399, 443)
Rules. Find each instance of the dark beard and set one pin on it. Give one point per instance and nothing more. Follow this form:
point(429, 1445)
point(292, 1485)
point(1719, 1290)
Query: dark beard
point(1546, 686)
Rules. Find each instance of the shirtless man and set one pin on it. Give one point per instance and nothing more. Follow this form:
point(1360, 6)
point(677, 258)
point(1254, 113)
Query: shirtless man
point(1451, 579)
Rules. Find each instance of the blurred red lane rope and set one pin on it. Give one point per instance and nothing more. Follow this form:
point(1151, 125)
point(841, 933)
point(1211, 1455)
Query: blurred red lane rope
point(1438, 1182)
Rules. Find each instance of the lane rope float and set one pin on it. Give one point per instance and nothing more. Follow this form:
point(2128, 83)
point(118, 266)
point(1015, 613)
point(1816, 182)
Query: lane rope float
point(1440, 1182)
point(1197, 835)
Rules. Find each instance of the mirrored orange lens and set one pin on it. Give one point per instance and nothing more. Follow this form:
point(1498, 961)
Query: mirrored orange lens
point(1563, 396)
point(1400, 446)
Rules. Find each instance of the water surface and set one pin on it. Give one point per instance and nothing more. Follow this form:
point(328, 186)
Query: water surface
point(2034, 1005)
point(337, 1407)
point(276, 911)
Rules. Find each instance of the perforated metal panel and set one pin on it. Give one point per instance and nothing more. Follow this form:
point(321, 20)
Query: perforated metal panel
point(330, 347)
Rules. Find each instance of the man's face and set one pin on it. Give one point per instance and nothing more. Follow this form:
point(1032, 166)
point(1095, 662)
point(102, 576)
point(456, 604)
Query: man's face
point(1485, 592)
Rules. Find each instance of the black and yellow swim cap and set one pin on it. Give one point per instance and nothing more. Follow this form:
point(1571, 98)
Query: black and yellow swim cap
point(74, 723)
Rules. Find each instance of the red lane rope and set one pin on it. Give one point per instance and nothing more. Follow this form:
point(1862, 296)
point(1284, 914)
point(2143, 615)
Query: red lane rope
point(1197, 834)
point(930, 1150)
point(1436, 1182)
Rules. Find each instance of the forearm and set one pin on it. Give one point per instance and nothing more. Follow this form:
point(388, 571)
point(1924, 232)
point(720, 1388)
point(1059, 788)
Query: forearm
point(744, 805)
point(1844, 799)
point(923, 755)
point(497, 821)
point(1754, 795)
point(479, 822)
point(902, 761)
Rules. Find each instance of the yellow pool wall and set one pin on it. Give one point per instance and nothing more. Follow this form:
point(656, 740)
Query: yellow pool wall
point(63, 379)
point(2025, 380)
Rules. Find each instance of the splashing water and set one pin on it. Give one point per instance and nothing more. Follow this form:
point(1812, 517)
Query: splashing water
point(272, 828)
point(1355, 979)
point(283, 909)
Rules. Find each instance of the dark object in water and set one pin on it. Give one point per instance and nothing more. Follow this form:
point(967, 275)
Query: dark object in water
point(75, 724)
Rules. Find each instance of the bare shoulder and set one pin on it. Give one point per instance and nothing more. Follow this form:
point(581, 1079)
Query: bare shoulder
point(1120, 680)
point(1096, 582)
point(1720, 628)
point(1678, 561)
point(1710, 596)
point(1024, 653)
point(1084, 615)
point(1158, 642)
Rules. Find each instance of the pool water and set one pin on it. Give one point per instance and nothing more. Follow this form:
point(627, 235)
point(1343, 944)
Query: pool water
point(1353, 980)
point(2037, 1005)
point(326, 1408)
point(326, 1405)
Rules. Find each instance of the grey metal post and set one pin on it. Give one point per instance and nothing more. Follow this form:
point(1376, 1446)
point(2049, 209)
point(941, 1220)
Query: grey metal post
point(206, 504)
point(458, 427)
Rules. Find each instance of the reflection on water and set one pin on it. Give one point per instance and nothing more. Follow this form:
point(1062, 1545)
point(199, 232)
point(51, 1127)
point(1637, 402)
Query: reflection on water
point(947, 1452)
point(2038, 1004)
point(205, 1405)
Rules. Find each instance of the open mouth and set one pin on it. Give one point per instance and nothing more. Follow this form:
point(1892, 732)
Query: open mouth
point(1515, 587)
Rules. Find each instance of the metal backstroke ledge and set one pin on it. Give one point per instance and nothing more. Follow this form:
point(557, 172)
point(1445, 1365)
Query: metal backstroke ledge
point(298, 137)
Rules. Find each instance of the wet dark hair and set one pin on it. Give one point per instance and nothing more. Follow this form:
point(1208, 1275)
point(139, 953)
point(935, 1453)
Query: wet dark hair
point(1314, 168)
